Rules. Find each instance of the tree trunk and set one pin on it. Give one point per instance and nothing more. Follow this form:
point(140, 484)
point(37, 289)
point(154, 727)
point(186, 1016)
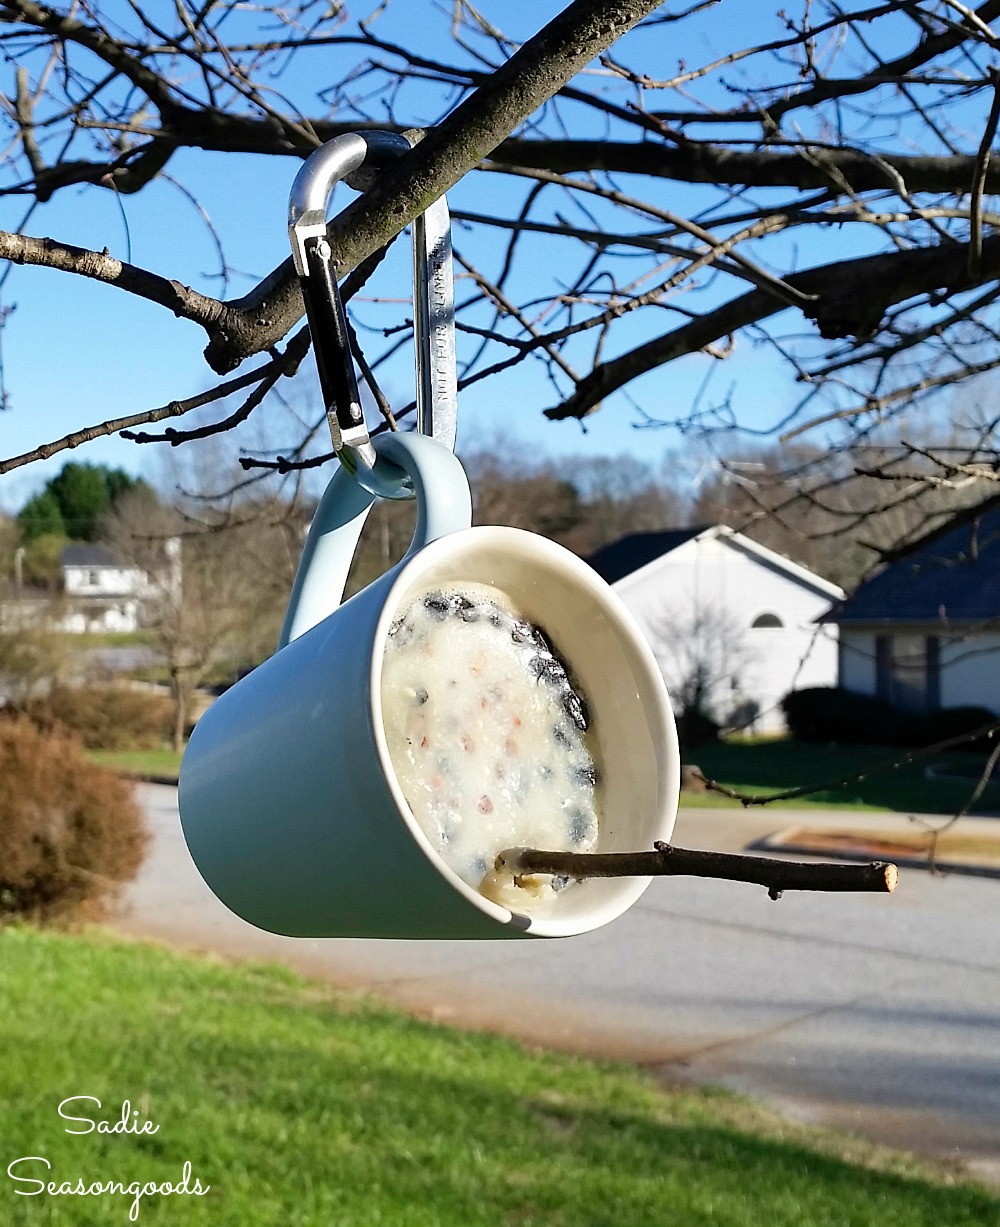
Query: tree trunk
point(180, 692)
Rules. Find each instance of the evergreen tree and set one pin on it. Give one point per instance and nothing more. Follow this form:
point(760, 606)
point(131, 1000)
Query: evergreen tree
point(119, 482)
point(73, 502)
point(41, 516)
point(81, 490)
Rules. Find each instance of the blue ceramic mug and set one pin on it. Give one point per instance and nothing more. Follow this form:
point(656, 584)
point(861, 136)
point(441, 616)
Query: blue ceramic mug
point(289, 801)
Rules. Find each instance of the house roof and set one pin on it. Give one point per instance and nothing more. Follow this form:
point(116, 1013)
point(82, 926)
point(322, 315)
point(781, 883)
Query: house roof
point(638, 550)
point(955, 577)
point(85, 555)
point(613, 562)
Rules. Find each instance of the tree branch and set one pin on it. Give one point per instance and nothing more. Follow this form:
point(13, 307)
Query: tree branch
point(692, 162)
point(851, 296)
point(285, 364)
point(476, 129)
point(282, 364)
point(406, 189)
point(248, 325)
point(815, 167)
point(100, 266)
point(668, 860)
point(979, 179)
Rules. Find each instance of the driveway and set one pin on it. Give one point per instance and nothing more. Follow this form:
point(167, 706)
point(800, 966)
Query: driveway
point(876, 1013)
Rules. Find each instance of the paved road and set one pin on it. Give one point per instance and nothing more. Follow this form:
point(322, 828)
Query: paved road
point(877, 1013)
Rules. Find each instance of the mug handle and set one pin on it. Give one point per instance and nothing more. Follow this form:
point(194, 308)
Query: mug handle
point(444, 505)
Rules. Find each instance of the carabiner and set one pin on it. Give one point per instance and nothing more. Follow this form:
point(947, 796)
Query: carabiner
point(356, 157)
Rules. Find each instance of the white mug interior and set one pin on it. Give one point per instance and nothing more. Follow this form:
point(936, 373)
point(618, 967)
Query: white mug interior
point(632, 726)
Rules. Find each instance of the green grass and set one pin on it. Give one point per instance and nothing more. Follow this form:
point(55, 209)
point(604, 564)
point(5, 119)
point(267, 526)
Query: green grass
point(302, 1106)
point(111, 639)
point(158, 673)
point(163, 764)
point(766, 766)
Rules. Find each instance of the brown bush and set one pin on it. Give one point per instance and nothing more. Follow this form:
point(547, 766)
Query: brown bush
point(104, 717)
point(70, 831)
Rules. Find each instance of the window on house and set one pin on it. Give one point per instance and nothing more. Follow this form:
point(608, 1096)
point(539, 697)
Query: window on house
point(907, 671)
point(93, 578)
point(766, 621)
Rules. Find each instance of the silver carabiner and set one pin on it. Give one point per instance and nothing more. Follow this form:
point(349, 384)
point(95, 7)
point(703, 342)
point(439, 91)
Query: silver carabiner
point(356, 157)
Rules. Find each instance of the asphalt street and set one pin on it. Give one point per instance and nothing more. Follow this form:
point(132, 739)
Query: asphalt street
point(880, 1014)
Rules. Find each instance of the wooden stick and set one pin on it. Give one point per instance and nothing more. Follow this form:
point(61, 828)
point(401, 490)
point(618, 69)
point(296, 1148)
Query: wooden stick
point(664, 859)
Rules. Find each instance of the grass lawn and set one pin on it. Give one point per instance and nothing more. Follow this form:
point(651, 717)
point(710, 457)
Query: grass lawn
point(161, 764)
point(111, 639)
point(305, 1107)
point(766, 766)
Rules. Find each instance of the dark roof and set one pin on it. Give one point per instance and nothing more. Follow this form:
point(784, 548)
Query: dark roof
point(613, 562)
point(953, 578)
point(84, 555)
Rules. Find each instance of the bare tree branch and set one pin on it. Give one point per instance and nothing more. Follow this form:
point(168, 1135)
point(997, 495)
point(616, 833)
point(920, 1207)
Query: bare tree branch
point(850, 299)
point(669, 860)
point(181, 300)
point(406, 189)
point(864, 135)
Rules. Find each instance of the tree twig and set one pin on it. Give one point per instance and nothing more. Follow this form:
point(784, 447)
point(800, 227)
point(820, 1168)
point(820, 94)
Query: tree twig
point(284, 363)
point(979, 180)
point(668, 860)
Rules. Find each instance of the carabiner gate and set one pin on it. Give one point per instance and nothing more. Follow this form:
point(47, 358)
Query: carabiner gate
point(356, 157)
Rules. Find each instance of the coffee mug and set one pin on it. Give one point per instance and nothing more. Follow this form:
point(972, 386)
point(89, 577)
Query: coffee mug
point(288, 798)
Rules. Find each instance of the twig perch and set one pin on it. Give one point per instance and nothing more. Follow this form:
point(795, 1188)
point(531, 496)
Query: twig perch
point(775, 875)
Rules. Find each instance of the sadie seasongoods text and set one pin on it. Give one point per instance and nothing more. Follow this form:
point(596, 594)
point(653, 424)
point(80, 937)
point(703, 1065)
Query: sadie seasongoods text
point(30, 1173)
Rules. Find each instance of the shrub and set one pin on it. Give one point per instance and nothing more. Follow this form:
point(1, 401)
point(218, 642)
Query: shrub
point(70, 831)
point(827, 713)
point(104, 717)
point(695, 728)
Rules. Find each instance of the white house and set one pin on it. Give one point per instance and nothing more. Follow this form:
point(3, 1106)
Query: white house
point(924, 633)
point(101, 593)
point(719, 607)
